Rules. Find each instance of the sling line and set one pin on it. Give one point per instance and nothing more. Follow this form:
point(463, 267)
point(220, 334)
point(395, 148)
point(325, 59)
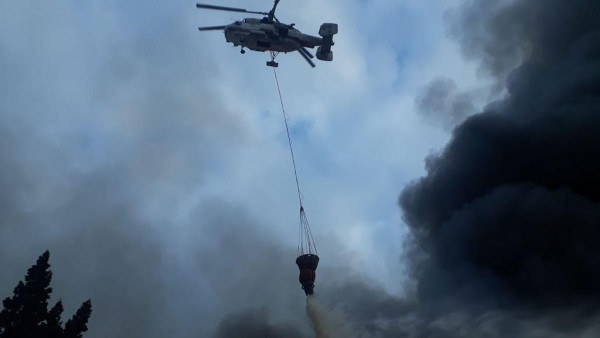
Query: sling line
point(306, 243)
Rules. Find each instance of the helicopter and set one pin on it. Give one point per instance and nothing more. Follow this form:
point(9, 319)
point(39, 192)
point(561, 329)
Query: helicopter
point(269, 34)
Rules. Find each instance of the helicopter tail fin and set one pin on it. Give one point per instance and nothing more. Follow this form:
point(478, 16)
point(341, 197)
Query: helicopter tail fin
point(327, 31)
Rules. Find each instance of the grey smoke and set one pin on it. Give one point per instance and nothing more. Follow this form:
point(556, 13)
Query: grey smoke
point(255, 324)
point(105, 141)
point(441, 103)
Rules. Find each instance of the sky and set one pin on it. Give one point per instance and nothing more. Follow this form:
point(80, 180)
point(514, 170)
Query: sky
point(152, 161)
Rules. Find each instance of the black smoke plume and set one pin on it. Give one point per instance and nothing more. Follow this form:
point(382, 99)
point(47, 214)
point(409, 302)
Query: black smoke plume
point(508, 215)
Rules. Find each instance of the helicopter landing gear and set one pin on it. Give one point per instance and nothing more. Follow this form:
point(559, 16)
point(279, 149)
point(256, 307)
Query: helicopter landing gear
point(272, 63)
point(242, 51)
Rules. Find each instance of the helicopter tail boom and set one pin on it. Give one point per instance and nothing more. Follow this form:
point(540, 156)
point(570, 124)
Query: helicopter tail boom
point(327, 31)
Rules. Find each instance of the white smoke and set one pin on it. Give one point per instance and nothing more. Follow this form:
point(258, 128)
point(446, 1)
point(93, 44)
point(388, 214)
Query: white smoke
point(325, 322)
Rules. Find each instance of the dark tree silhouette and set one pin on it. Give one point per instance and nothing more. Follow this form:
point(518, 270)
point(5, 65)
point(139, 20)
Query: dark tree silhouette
point(26, 314)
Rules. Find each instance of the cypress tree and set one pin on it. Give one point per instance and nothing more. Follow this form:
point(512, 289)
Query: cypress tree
point(26, 314)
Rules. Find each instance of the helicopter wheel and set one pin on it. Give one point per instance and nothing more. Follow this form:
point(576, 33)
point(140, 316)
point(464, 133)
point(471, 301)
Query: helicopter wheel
point(242, 51)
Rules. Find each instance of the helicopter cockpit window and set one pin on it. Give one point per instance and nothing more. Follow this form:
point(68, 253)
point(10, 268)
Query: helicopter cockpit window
point(237, 23)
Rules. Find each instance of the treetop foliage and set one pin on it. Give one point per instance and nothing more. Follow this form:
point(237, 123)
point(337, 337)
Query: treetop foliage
point(26, 314)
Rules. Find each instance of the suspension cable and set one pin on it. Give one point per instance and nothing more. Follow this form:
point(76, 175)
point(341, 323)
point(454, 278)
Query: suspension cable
point(287, 130)
point(305, 234)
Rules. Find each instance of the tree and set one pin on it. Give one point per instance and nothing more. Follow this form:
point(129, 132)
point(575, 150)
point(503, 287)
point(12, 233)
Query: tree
point(26, 314)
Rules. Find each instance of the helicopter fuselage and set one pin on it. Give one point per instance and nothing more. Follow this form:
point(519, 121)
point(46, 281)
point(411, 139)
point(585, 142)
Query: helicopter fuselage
point(269, 34)
point(261, 36)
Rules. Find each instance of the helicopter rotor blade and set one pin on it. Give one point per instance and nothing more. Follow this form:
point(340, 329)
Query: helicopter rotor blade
point(307, 52)
point(229, 9)
point(301, 52)
point(271, 13)
point(211, 28)
point(276, 2)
